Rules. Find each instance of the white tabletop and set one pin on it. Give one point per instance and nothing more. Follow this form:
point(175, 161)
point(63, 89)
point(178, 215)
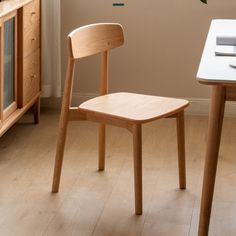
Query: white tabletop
point(215, 69)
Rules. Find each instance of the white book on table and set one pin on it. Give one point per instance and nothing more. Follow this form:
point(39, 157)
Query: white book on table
point(225, 50)
point(226, 40)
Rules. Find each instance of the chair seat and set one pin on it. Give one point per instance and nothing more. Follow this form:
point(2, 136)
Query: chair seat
point(138, 108)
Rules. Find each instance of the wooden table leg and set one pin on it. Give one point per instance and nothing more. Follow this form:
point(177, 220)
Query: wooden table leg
point(37, 111)
point(212, 151)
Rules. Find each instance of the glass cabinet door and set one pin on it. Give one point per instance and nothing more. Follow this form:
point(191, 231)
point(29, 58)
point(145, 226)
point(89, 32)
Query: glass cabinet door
point(9, 65)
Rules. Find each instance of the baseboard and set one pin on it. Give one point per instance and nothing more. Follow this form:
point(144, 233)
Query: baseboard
point(197, 107)
point(201, 107)
point(78, 98)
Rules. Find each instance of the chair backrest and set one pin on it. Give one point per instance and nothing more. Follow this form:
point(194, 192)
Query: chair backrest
point(89, 40)
point(95, 38)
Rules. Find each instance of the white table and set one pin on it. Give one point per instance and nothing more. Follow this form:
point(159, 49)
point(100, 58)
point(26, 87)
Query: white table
point(215, 71)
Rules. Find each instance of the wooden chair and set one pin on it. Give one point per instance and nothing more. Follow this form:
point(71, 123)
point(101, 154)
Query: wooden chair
point(126, 110)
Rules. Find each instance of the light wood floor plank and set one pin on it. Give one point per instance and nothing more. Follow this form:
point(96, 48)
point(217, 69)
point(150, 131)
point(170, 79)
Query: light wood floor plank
point(102, 203)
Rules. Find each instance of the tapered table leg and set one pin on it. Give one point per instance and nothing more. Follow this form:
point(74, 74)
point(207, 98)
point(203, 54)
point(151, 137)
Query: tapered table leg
point(212, 151)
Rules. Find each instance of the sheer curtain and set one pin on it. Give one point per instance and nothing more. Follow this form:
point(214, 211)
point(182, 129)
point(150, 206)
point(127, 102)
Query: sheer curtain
point(51, 56)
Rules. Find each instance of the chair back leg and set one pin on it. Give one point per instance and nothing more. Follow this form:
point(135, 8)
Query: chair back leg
point(63, 125)
point(102, 127)
point(181, 149)
point(102, 147)
point(137, 149)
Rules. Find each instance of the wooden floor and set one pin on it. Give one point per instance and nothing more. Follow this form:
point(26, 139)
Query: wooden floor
point(102, 203)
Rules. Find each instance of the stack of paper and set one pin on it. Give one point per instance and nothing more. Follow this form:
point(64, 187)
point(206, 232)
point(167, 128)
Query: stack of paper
point(225, 46)
point(226, 40)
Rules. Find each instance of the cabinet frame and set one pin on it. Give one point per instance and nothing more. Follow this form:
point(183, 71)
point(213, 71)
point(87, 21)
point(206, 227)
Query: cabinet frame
point(17, 107)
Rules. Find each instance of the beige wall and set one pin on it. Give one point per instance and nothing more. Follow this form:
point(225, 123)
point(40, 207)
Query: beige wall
point(164, 41)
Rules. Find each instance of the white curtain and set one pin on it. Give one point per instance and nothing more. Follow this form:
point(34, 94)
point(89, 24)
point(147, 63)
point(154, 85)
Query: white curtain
point(51, 49)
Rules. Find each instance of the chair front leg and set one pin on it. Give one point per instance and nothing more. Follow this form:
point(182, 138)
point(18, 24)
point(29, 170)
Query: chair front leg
point(102, 147)
point(137, 149)
point(181, 149)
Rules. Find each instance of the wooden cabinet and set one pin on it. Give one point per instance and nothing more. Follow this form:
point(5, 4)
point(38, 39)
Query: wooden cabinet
point(31, 74)
point(20, 67)
point(29, 58)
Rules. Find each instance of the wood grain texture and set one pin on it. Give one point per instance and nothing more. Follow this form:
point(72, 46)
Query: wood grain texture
point(230, 93)
point(137, 108)
point(101, 203)
point(102, 130)
point(63, 125)
point(9, 110)
point(213, 145)
point(95, 38)
point(31, 40)
point(29, 59)
point(31, 76)
point(31, 15)
point(9, 6)
point(17, 115)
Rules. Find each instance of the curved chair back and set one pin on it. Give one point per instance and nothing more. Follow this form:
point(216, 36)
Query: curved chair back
point(95, 38)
